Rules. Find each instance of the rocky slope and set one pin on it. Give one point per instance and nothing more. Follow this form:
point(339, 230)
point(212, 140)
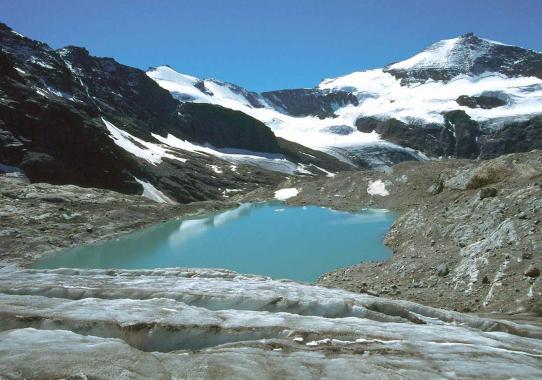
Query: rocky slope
point(37, 219)
point(468, 236)
point(67, 117)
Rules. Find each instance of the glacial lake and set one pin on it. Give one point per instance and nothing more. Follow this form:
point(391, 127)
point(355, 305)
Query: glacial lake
point(299, 243)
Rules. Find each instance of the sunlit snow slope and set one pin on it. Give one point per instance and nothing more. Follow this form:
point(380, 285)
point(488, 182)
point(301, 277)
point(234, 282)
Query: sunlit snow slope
point(417, 91)
point(309, 131)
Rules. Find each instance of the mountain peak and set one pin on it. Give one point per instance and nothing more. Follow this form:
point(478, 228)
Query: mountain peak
point(75, 50)
point(467, 54)
point(468, 35)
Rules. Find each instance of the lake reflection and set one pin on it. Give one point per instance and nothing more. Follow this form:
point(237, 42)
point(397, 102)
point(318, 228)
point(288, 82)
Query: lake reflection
point(299, 243)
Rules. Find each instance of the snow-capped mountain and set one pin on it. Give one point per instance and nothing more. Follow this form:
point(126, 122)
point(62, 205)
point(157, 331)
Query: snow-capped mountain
point(332, 134)
point(469, 55)
point(413, 103)
point(69, 117)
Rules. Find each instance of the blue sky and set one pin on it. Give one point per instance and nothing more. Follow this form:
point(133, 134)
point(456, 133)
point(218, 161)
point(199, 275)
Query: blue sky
point(273, 44)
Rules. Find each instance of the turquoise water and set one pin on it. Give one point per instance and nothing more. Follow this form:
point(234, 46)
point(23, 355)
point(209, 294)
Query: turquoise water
point(299, 243)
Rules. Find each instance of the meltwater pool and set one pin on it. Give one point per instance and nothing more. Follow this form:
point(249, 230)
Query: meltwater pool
point(299, 243)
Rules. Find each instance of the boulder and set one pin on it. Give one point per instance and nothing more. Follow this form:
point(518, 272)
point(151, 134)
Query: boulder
point(532, 271)
point(442, 270)
point(436, 188)
point(488, 192)
point(482, 175)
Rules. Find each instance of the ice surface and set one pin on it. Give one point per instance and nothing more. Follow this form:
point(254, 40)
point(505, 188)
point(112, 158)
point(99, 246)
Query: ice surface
point(196, 323)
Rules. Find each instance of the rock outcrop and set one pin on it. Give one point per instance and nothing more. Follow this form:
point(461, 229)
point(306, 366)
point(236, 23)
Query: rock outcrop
point(67, 117)
point(482, 220)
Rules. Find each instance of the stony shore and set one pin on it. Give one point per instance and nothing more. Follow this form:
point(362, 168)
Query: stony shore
point(39, 219)
point(468, 236)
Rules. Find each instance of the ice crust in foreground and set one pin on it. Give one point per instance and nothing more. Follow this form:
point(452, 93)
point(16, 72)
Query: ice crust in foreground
point(201, 323)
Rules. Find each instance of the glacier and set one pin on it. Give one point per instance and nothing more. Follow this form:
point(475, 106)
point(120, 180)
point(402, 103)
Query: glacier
point(203, 322)
point(403, 90)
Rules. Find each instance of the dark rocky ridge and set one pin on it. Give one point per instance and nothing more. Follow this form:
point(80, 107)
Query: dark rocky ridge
point(514, 137)
point(128, 97)
point(482, 101)
point(49, 136)
point(228, 128)
point(51, 105)
point(432, 139)
point(307, 102)
point(460, 136)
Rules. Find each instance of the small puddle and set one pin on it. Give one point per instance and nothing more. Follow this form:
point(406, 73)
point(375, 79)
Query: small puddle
point(298, 243)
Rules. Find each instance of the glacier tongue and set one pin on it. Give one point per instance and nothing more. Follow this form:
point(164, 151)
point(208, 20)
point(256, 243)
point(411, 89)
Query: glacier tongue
point(208, 323)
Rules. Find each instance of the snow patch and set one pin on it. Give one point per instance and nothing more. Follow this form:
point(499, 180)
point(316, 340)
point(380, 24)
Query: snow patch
point(153, 153)
point(287, 193)
point(268, 162)
point(215, 168)
point(152, 193)
point(377, 188)
point(437, 55)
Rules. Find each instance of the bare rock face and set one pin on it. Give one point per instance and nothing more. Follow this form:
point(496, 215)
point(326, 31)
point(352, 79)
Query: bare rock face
point(484, 174)
point(483, 101)
point(304, 102)
point(184, 323)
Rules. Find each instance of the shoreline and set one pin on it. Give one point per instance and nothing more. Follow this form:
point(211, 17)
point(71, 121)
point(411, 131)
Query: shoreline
point(428, 240)
point(56, 217)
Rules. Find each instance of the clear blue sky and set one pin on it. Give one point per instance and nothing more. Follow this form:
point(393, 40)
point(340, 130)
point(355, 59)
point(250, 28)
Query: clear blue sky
point(269, 44)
